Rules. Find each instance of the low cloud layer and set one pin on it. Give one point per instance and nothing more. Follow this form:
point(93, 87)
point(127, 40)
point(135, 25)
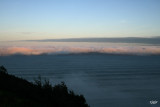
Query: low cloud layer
point(152, 40)
point(134, 50)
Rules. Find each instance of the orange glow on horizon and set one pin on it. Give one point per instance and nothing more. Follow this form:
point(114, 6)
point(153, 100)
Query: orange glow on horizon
point(70, 49)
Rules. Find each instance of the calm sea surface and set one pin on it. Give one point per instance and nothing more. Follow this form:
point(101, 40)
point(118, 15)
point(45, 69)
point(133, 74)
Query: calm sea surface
point(104, 80)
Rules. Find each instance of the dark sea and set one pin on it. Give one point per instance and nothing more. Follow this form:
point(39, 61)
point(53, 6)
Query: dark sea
point(105, 80)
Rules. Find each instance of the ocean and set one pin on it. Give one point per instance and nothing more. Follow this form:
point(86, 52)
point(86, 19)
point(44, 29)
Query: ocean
point(105, 80)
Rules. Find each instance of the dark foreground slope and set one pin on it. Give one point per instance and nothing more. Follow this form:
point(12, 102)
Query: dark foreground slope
point(17, 92)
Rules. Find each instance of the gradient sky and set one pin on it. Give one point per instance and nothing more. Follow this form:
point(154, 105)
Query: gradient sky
point(50, 19)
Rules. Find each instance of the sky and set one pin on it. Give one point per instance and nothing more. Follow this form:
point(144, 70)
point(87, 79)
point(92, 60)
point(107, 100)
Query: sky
point(34, 27)
point(57, 19)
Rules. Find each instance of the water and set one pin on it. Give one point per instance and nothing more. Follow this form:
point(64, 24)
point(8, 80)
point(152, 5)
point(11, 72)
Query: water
point(104, 80)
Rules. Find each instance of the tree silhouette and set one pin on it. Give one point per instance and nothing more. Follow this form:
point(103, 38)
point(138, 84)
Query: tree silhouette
point(18, 92)
point(3, 69)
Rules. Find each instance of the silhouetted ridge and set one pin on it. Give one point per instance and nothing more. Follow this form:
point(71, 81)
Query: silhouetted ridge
point(18, 92)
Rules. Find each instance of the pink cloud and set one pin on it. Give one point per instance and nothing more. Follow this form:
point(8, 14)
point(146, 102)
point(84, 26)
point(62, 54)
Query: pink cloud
point(141, 50)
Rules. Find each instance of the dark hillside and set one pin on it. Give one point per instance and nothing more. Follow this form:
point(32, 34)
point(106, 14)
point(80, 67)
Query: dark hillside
point(17, 92)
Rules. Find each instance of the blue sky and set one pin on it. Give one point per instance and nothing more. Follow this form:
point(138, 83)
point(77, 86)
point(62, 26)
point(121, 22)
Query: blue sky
point(52, 19)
